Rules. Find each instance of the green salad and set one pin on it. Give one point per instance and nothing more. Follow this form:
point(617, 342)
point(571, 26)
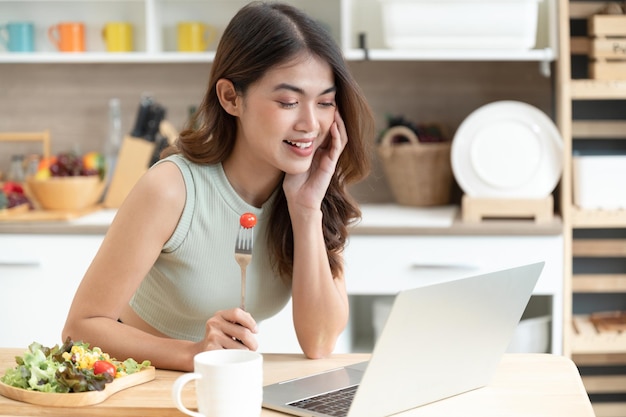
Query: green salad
point(72, 367)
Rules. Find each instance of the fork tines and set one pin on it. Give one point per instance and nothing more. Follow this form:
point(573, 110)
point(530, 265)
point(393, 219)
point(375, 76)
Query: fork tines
point(244, 241)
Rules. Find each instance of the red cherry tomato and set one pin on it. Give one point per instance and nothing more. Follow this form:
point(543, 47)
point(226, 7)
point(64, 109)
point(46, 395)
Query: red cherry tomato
point(247, 220)
point(100, 367)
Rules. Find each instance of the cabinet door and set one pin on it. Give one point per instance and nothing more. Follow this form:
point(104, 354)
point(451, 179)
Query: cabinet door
point(377, 265)
point(385, 265)
point(39, 275)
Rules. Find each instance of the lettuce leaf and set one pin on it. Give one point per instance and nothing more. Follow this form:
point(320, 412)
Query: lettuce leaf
point(44, 369)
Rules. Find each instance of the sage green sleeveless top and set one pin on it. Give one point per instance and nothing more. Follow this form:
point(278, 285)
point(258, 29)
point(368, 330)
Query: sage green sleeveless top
point(196, 273)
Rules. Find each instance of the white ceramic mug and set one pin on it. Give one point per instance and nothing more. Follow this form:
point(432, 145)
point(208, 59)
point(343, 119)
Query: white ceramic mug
point(229, 383)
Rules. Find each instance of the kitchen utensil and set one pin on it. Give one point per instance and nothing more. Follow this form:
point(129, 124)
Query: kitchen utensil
point(507, 149)
point(141, 120)
point(243, 256)
point(77, 399)
point(66, 193)
point(23, 214)
point(18, 36)
point(168, 131)
point(194, 36)
point(118, 36)
point(228, 383)
point(68, 36)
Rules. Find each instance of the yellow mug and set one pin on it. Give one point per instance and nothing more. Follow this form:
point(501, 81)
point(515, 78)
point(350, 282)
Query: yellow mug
point(118, 36)
point(195, 36)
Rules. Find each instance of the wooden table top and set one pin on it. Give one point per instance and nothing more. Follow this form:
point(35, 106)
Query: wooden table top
point(524, 385)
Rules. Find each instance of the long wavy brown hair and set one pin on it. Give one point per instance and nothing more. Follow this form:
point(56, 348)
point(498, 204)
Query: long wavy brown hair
point(261, 36)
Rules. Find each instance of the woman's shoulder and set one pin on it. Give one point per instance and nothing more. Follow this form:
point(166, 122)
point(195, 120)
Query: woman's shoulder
point(187, 165)
point(165, 180)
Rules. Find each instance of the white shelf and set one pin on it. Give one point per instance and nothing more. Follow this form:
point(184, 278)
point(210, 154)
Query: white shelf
point(154, 23)
point(544, 55)
point(105, 57)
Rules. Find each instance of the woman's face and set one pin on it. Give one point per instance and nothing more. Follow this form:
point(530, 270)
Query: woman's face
point(287, 114)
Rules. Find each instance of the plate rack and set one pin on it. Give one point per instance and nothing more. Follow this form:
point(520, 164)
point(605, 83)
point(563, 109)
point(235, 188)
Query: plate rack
point(475, 210)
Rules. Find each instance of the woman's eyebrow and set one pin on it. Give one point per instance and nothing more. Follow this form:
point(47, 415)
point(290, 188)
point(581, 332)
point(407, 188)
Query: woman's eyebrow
point(285, 86)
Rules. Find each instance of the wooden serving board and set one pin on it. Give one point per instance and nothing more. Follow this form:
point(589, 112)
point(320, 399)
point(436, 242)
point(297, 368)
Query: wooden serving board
point(77, 399)
point(37, 215)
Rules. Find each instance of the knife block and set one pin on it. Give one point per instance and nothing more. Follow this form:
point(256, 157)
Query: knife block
point(132, 163)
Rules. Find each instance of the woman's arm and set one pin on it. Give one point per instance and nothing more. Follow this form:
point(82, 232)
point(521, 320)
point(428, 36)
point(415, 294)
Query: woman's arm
point(133, 242)
point(143, 223)
point(320, 301)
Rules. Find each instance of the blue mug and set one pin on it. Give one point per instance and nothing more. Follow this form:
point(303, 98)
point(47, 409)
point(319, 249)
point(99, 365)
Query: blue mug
point(18, 36)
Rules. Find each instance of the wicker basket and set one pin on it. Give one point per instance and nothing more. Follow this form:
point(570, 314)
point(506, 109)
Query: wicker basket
point(419, 173)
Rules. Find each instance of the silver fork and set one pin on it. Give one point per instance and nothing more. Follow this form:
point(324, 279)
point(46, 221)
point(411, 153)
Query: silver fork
point(243, 255)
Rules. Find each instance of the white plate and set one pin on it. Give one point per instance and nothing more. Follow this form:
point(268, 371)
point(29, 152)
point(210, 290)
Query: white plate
point(507, 149)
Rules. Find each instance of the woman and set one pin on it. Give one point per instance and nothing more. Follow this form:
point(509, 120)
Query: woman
point(282, 130)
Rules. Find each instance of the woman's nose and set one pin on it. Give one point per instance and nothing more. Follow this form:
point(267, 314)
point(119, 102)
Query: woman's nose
point(308, 120)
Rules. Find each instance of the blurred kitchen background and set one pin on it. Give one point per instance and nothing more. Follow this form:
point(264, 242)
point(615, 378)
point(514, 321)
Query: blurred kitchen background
point(72, 100)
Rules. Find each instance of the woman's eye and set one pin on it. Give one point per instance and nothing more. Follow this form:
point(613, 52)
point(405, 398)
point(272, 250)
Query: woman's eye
point(288, 105)
point(327, 104)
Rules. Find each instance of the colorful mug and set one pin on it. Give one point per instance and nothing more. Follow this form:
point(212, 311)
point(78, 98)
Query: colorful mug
point(68, 36)
point(195, 36)
point(118, 36)
point(18, 36)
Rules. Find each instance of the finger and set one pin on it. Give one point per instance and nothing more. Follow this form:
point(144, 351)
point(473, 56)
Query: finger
point(245, 319)
point(233, 343)
point(341, 127)
point(339, 139)
point(243, 338)
point(240, 317)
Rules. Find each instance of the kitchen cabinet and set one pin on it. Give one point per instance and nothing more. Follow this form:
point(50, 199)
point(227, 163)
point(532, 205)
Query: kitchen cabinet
point(380, 261)
point(39, 275)
point(386, 264)
point(42, 265)
point(154, 30)
point(591, 119)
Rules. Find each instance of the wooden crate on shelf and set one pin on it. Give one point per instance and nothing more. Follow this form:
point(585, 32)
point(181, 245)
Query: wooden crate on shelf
point(586, 338)
point(607, 47)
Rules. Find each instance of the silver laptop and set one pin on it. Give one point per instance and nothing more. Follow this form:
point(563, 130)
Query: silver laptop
point(439, 340)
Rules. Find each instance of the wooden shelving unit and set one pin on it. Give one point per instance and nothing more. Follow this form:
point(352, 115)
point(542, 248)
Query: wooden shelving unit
point(604, 352)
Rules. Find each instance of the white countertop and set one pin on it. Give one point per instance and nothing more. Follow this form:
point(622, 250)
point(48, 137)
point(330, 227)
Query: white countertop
point(102, 217)
point(377, 219)
point(393, 215)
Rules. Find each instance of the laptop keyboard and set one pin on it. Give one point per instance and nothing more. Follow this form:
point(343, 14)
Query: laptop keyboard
point(334, 403)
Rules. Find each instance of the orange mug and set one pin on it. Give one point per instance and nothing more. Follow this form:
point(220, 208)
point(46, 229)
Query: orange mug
point(68, 36)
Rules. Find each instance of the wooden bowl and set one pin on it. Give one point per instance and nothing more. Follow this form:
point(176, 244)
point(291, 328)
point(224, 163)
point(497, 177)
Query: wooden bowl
point(66, 193)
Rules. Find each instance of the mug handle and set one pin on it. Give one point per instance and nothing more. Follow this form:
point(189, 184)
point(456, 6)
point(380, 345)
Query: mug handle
point(210, 33)
point(53, 35)
point(177, 389)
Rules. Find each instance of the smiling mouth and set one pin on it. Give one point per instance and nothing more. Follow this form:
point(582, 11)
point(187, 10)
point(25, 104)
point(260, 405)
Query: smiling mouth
point(300, 145)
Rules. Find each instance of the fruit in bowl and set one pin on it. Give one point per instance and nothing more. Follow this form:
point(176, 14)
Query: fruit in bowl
point(68, 181)
point(12, 197)
point(68, 164)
